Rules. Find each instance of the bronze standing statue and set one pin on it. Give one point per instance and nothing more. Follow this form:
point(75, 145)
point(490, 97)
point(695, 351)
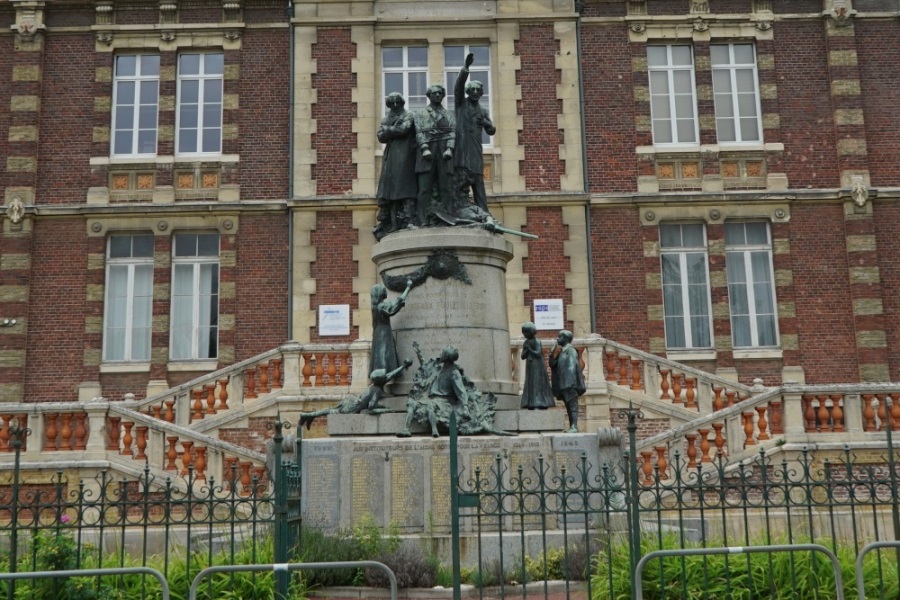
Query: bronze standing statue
point(435, 138)
point(397, 188)
point(471, 119)
point(536, 392)
point(568, 380)
point(384, 349)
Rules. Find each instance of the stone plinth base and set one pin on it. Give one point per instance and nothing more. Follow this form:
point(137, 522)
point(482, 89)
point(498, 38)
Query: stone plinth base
point(407, 481)
point(441, 312)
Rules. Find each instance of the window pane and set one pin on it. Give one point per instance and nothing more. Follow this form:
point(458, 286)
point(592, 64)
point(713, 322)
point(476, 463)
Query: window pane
point(392, 57)
point(662, 132)
point(149, 65)
point(123, 142)
point(659, 82)
point(686, 131)
point(212, 115)
point(684, 107)
point(734, 265)
point(746, 82)
point(214, 64)
point(757, 233)
point(724, 107)
point(126, 66)
point(721, 81)
point(765, 325)
point(142, 246)
point(125, 92)
point(187, 141)
point(454, 56)
point(660, 107)
point(189, 64)
point(186, 244)
point(675, 333)
point(737, 294)
point(693, 235)
point(212, 140)
point(749, 130)
point(188, 116)
point(747, 105)
point(740, 331)
point(718, 53)
point(149, 92)
point(208, 244)
point(743, 54)
point(147, 141)
point(734, 234)
point(725, 130)
point(418, 56)
point(656, 56)
point(670, 236)
point(124, 118)
point(190, 92)
point(681, 55)
point(212, 90)
point(696, 269)
point(147, 117)
point(700, 332)
point(393, 82)
point(482, 55)
point(682, 82)
point(120, 246)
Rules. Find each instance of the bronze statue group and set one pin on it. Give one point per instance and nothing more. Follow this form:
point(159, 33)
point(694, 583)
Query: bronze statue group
point(432, 158)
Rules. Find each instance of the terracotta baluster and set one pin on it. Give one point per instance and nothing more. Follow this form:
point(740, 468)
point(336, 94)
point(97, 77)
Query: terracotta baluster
point(170, 411)
point(868, 413)
point(689, 393)
point(895, 411)
point(200, 463)
point(186, 458)
point(720, 439)
point(198, 405)
point(610, 366)
point(718, 402)
point(676, 388)
point(275, 365)
point(223, 394)
point(837, 412)
point(127, 439)
point(762, 424)
point(263, 379)
point(332, 369)
point(662, 467)
point(319, 369)
point(581, 363)
point(809, 414)
point(80, 431)
point(141, 442)
point(50, 431)
point(210, 398)
point(307, 370)
point(259, 473)
point(230, 474)
point(344, 371)
point(623, 370)
point(250, 376)
point(647, 467)
point(246, 479)
point(171, 454)
point(822, 415)
point(4, 433)
point(636, 368)
point(691, 449)
point(747, 418)
point(113, 433)
point(704, 446)
point(156, 412)
point(882, 416)
point(730, 402)
point(23, 423)
point(664, 385)
point(776, 416)
point(65, 433)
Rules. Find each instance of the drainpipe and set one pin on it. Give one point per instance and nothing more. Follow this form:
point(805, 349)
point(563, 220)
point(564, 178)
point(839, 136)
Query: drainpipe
point(579, 9)
point(290, 213)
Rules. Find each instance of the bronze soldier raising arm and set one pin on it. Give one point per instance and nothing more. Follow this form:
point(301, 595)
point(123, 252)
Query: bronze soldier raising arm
point(471, 119)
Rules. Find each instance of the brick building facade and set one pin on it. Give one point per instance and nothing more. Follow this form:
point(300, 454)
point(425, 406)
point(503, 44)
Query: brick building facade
point(185, 182)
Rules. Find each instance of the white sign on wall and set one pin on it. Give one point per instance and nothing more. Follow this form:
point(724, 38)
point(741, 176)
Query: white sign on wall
point(334, 319)
point(548, 314)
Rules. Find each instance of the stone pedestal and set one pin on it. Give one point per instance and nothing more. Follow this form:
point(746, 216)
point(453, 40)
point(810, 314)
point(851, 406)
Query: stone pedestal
point(442, 312)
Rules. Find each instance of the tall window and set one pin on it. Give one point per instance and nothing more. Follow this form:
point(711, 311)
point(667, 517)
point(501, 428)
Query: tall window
point(195, 296)
point(751, 285)
point(129, 298)
point(405, 70)
point(454, 60)
point(736, 93)
point(199, 115)
point(135, 105)
point(673, 102)
point(685, 282)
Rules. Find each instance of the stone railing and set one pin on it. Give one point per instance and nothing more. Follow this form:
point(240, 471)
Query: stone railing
point(790, 416)
point(109, 435)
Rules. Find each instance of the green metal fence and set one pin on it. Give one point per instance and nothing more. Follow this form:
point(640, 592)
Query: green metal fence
point(176, 525)
point(591, 524)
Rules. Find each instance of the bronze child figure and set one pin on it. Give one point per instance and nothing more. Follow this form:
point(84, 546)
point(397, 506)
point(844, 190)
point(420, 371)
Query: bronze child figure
point(568, 380)
point(536, 393)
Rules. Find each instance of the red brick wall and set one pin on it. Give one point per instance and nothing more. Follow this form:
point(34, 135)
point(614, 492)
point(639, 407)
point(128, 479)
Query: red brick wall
point(668, 7)
point(253, 437)
point(7, 58)
point(264, 88)
point(609, 109)
point(333, 81)
point(56, 311)
point(824, 309)
point(804, 104)
point(646, 428)
point(887, 230)
point(262, 296)
point(605, 9)
point(731, 6)
point(14, 339)
point(797, 6)
point(67, 115)
point(334, 268)
point(540, 134)
point(546, 264)
point(878, 52)
point(620, 285)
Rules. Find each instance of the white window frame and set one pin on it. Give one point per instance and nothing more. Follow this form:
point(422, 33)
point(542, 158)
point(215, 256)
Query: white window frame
point(406, 71)
point(202, 77)
point(140, 80)
point(732, 97)
point(682, 252)
point(195, 262)
point(131, 263)
point(745, 252)
point(669, 69)
point(451, 72)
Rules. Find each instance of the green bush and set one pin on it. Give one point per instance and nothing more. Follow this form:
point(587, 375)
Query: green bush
point(779, 575)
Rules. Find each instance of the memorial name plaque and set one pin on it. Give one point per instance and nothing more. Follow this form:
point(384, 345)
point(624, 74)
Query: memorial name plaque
point(440, 491)
point(322, 494)
point(367, 493)
point(407, 495)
